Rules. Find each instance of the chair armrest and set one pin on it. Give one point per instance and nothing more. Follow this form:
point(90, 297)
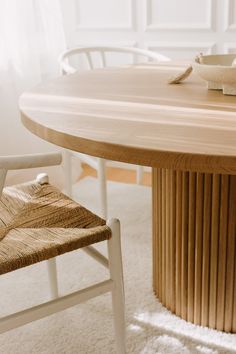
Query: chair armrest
point(65, 67)
point(18, 162)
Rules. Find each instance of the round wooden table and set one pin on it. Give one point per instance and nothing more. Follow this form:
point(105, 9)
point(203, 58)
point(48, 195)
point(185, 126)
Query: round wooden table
point(187, 134)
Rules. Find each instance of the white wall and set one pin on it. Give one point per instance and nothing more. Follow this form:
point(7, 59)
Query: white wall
point(177, 28)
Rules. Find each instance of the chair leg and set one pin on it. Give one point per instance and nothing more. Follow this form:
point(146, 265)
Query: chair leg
point(139, 174)
point(102, 186)
point(3, 174)
point(116, 272)
point(67, 169)
point(52, 275)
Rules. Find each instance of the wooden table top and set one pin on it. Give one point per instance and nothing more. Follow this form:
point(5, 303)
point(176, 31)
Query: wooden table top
point(132, 114)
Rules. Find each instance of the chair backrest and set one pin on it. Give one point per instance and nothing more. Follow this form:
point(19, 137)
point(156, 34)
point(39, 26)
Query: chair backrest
point(67, 68)
point(17, 162)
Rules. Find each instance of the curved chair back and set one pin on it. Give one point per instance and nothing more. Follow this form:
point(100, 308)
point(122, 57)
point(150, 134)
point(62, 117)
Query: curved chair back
point(87, 52)
point(98, 57)
point(17, 162)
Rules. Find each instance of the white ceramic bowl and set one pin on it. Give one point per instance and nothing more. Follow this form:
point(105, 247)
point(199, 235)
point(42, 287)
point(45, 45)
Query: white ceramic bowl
point(218, 71)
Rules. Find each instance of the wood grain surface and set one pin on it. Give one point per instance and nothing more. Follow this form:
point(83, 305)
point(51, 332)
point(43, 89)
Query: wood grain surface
point(131, 114)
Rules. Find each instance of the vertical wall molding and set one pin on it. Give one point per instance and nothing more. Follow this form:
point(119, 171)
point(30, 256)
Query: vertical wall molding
point(210, 27)
point(129, 26)
point(230, 19)
point(215, 35)
point(151, 26)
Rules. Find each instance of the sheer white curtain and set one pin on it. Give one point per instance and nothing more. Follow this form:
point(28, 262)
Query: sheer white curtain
point(31, 38)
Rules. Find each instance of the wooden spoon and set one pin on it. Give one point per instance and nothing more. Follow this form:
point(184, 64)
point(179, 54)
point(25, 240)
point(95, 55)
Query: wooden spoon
point(180, 76)
point(184, 74)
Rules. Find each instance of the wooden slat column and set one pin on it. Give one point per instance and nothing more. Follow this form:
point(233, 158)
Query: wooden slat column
point(194, 246)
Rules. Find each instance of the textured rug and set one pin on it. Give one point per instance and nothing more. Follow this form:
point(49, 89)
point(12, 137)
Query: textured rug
point(88, 328)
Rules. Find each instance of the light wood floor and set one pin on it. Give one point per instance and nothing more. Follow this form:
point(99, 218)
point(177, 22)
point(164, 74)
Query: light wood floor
point(118, 175)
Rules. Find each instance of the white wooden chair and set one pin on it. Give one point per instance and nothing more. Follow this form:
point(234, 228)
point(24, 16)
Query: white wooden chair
point(37, 223)
point(67, 68)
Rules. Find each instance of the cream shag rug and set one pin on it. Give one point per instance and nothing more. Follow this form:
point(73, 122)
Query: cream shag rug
point(88, 328)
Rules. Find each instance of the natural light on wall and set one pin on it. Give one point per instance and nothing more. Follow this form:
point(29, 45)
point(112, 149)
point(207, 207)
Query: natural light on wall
point(32, 37)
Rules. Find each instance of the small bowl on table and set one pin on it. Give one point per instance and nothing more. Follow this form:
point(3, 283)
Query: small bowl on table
point(218, 70)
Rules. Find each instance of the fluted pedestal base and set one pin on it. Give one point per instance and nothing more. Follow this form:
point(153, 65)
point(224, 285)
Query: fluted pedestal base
point(194, 246)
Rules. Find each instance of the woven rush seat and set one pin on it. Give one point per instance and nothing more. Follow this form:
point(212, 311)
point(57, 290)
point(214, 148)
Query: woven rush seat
point(38, 222)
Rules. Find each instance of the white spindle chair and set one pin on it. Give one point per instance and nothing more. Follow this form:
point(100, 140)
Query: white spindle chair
point(56, 240)
point(66, 67)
